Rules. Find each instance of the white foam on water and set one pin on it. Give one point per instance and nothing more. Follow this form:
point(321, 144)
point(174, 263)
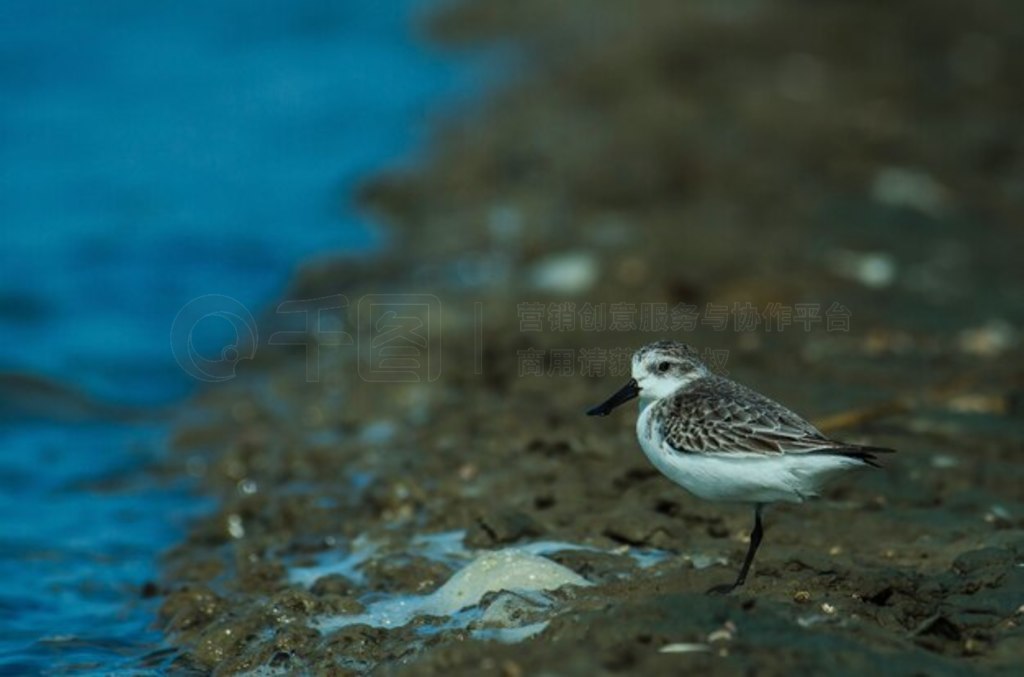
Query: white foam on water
point(348, 566)
point(510, 569)
point(500, 595)
point(444, 546)
point(511, 635)
point(704, 561)
point(264, 671)
point(644, 557)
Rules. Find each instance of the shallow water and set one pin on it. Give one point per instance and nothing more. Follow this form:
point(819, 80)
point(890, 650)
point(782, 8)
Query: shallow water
point(151, 155)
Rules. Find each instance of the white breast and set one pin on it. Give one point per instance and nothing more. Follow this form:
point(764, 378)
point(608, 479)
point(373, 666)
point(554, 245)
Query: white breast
point(741, 476)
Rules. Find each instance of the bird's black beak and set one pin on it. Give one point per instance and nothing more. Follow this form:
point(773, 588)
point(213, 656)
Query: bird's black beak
point(624, 394)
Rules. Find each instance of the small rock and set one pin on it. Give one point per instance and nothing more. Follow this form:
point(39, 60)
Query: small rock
point(718, 530)
point(598, 566)
point(190, 607)
point(876, 270)
point(989, 340)
point(898, 187)
point(332, 584)
point(501, 526)
point(291, 604)
point(223, 640)
point(412, 574)
point(508, 610)
point(684, 647)
point(511, 669)
point(341, 604)
point(977, 561)
point(572, 273)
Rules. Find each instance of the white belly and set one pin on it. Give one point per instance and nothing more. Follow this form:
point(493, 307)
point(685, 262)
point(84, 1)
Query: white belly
point(743, 476)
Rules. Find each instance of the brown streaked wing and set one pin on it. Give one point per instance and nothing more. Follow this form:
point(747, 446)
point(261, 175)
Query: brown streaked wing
point(721, 416)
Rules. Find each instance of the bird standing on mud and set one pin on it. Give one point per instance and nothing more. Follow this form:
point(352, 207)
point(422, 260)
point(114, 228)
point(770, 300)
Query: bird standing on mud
point(721, 441)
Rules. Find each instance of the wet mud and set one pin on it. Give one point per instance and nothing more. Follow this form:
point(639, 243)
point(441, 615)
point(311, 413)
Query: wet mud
point(861, 158)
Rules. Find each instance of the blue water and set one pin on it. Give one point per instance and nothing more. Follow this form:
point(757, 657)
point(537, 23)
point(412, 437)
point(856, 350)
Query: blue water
point(150, 154)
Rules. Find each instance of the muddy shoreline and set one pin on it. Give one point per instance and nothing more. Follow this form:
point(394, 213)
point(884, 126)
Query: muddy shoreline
point(853, 204)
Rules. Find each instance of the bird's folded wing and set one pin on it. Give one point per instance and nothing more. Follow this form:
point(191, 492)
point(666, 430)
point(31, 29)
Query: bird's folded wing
point(721, 416)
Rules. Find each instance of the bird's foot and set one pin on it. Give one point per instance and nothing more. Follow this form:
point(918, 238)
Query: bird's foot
point(723, 589)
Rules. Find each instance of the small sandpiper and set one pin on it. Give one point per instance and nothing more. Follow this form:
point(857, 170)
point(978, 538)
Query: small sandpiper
point(722, 441)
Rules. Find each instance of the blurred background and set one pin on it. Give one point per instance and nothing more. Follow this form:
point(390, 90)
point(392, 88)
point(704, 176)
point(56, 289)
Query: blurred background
point(149, 155)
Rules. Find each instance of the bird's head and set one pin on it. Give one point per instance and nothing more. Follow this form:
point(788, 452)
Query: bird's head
point(659, 369)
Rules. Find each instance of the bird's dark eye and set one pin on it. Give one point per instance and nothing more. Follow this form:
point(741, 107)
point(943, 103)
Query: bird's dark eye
point(663, 366)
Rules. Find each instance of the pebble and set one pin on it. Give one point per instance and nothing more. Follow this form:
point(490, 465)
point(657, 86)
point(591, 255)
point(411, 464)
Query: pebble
point(572, 273)
point(913, 189)
point(875, 270)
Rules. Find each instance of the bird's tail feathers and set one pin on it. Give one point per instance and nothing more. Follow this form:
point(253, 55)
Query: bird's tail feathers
point(863, 453)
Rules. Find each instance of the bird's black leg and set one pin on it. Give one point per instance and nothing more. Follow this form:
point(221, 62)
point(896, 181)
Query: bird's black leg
point(755, 540)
